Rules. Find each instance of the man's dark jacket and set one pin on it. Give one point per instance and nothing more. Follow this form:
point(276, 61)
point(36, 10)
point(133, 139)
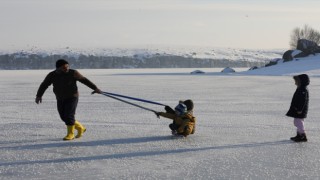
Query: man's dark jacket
point(64, 84)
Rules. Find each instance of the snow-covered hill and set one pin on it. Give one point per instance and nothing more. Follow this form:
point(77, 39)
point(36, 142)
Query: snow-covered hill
point(150, 51)
point(309, 65)
point(151, 57)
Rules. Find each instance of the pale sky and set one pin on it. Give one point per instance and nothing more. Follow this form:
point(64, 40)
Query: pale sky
point(254, 24)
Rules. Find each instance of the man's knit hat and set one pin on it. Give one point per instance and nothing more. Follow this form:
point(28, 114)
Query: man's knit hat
point(61, 62)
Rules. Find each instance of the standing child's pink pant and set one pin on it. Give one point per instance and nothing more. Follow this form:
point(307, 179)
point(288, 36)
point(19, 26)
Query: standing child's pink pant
point(299, 123)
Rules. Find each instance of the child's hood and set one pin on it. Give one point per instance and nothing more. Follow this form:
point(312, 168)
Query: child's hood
point(304, 79)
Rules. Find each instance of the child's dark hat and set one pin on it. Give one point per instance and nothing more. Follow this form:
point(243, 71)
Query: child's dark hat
point(189, 104)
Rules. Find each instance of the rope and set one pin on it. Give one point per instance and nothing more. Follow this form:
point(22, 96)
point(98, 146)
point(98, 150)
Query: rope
point(133, 104)
point(133, 98)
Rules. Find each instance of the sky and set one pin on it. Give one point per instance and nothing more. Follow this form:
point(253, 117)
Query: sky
point(264, 24)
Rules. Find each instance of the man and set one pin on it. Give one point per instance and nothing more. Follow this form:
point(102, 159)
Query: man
point(64, 81)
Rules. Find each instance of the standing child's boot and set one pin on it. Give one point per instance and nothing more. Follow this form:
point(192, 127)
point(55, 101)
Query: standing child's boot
point(301, 138)
point(80, 128)
point(294, 138)
point(70, 133)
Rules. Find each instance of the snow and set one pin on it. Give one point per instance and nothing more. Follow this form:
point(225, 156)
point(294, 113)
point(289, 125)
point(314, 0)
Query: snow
point(197, 72)
point(309, 65)
point(242, 132)
point(228, 70)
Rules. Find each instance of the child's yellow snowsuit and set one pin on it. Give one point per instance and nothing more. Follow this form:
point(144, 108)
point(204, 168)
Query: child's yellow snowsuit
point(186, 123)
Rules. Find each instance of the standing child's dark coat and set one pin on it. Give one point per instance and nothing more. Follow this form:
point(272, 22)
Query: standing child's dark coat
point(300, 100)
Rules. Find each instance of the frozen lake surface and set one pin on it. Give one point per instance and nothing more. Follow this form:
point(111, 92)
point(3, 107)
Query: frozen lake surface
point(242, 131)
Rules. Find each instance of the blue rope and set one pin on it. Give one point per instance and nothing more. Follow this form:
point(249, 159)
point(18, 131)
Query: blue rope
point(108, 95)
point(133, 98)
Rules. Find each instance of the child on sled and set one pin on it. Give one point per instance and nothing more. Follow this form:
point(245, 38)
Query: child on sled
point(183, 120)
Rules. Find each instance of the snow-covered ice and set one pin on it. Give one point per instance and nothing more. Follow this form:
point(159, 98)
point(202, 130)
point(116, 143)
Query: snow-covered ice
point(242, 131)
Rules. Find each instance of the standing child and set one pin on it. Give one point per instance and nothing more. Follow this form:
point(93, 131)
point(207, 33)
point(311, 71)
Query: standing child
point(182, 116)
point(299, 106)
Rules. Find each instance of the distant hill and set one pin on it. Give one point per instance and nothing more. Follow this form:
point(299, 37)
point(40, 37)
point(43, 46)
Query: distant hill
point(35, 58)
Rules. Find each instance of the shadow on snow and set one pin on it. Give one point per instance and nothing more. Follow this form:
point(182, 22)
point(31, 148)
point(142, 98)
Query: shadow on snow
point(90, 143)
point(130, 154)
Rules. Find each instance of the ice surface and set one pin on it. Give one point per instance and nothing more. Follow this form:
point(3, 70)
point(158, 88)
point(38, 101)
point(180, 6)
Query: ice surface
point(242, 132)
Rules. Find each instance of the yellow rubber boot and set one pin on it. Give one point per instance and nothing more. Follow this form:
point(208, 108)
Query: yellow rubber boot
point(80, 128)
point(70, 133)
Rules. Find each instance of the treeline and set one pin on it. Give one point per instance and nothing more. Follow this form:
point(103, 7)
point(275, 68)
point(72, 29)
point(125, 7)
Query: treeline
point(36, 61)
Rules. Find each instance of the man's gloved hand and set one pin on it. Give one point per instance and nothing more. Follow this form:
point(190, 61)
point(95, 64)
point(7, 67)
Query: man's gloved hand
point(38, 100)
point(98, 91)
point(157, 114)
